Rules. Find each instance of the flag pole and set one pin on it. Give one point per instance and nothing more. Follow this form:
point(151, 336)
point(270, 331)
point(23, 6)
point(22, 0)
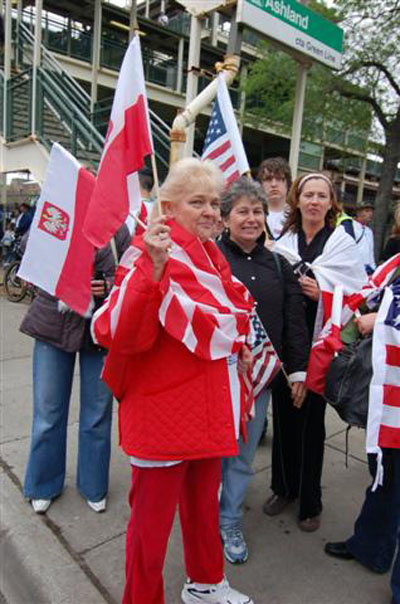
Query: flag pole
point(156, 183)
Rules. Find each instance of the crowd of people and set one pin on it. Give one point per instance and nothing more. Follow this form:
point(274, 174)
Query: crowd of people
point(171, 337)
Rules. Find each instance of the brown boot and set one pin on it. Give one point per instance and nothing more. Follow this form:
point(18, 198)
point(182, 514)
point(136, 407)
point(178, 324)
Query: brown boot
point(309, 525)
point(275, 505)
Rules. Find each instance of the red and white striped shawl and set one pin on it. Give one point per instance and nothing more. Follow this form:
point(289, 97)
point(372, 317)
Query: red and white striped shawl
point(203, 307)
point(338, 264)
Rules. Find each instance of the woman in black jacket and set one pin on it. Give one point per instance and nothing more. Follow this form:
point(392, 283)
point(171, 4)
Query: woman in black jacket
point(272, 283)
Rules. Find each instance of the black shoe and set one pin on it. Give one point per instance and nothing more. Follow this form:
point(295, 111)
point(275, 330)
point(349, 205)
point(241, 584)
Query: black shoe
point(339, 550)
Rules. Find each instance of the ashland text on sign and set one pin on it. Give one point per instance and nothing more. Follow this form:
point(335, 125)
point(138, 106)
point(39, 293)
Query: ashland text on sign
point(296, 26)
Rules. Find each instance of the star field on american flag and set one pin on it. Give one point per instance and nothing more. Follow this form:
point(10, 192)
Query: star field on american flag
point(393, 316)
point(217, 146)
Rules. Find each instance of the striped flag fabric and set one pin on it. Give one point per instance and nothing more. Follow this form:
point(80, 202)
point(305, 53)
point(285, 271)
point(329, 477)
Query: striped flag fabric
point(209, 315)
point(58, 257)
point(327, 344)
point(383, 426)
point(223, 144)
point(128, 142)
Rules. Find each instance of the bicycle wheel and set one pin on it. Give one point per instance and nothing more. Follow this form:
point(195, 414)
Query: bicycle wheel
point(15, 287)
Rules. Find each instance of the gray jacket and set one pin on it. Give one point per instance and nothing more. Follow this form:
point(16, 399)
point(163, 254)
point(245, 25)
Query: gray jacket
point(65, 330)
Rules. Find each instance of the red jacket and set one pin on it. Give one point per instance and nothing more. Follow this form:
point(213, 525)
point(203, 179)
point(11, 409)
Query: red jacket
point(173, 405)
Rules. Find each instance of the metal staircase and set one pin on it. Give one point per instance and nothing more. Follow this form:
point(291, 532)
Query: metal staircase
point(62, 109)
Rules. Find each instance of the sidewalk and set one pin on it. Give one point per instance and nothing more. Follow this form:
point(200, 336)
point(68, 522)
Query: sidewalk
point(73, 556)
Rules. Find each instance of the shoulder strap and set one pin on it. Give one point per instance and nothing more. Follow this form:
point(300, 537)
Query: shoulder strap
point(348, 226)
point(361, 236)
point(277, 261)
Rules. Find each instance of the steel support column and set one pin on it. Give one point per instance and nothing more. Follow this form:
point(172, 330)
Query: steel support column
point(96, 50)
point(36, 61)
point(297, 117)
point(7, 64)
point(179, 76)
point(192, 79)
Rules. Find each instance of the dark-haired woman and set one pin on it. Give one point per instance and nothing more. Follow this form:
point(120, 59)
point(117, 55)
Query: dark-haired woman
point(280, 308)
point(323, 257)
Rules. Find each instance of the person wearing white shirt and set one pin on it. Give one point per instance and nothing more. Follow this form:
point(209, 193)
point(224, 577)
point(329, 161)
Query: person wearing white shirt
point(364, 236)
point(275, 177)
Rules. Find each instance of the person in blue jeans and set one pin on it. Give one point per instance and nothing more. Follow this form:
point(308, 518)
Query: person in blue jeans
point(280, 307)
point(60, 336)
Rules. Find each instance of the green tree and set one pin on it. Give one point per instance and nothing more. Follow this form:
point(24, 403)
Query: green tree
point(367, 85)
point(371, 75)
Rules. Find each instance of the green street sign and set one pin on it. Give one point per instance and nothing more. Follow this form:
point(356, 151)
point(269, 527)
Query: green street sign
point(296, 26)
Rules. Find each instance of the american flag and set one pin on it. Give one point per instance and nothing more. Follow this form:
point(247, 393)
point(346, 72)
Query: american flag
point(383, 427)
point(223, 144)
point(266, 363)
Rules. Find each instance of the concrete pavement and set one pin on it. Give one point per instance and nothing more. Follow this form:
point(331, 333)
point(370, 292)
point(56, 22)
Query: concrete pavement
point(74, 556)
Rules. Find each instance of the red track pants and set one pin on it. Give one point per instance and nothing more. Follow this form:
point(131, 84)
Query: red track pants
point(155, 493)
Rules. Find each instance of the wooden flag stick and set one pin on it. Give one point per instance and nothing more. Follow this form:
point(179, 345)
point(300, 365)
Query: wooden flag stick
point(156, 183)
point(137, 219)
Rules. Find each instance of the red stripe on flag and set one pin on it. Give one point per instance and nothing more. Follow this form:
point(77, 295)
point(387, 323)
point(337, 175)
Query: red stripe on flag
point(219, 151)
point(234, 176)
point(228, 163)
point(74, 291)
point(176, 316)
point(393, 355)
point(203, 330)
point(391, 395)
point(109, 205)
point(381, 274)
point(389, 437)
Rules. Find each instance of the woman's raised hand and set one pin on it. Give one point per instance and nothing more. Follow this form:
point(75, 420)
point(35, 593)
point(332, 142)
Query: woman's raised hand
point(158, 244)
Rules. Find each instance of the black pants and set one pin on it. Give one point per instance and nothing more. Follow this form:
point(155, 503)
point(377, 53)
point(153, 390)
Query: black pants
point(298, 448)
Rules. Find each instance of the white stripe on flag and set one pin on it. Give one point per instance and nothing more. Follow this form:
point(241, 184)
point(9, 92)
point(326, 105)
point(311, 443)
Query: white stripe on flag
point(225, 105)
point(59, 188)
point(235, 388)
point(391, 416)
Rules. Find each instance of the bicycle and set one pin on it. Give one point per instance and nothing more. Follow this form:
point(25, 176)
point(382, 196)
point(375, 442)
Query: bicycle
point(16, 288)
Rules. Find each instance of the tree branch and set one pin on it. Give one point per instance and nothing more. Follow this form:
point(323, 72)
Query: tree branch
point(384, 70)
point(361, 96)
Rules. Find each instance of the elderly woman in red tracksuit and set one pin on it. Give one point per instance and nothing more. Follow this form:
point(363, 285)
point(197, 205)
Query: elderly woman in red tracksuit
point(177, 415)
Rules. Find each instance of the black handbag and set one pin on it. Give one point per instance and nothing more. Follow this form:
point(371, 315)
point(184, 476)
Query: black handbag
point(348, 381)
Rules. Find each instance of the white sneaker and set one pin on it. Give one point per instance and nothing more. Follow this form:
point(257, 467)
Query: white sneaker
point(41, 506)
point(98, 506)
point(220, 593)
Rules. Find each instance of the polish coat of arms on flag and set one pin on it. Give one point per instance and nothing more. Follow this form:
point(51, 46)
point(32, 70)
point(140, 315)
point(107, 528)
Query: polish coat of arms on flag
point(54, 220)
point(58, 257)
point(223, 144)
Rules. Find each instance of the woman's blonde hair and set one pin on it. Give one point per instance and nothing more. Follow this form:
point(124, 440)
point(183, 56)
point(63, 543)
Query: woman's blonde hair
point(293, 218)
point(396, 226)
point(186, 175)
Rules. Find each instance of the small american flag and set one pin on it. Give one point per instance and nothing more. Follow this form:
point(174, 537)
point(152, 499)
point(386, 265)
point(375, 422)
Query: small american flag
point(223, 144)
point(266, 363)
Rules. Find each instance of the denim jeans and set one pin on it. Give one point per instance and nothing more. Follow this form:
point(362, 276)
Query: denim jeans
point(237, 471)
point(377, 528)
point(52, 383)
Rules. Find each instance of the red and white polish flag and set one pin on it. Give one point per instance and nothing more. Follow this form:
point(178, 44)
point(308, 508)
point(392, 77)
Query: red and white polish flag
point(58, 257)
point(128, 142)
